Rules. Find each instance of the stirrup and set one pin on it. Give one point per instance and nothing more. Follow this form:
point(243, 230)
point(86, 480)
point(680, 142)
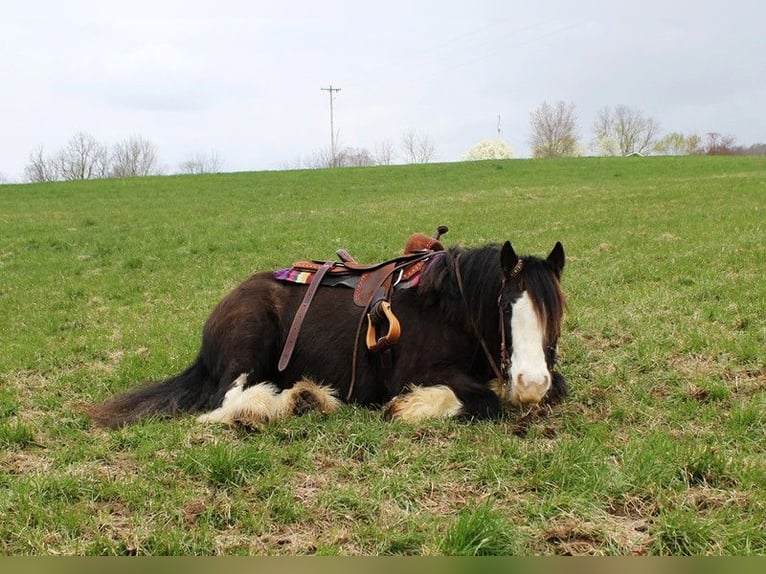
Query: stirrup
point(394, 329)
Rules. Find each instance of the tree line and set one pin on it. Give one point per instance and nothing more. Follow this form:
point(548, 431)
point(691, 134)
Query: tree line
point(621, 130)
point(414, 147)
point(554, 132)
point(84, 157)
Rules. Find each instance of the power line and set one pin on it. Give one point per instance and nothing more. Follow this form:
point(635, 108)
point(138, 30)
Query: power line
point(331, 91)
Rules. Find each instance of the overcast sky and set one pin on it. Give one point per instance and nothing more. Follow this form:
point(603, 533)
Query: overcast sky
point(244, 78)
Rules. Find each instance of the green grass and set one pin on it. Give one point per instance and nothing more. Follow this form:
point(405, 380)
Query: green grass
point(659, 450)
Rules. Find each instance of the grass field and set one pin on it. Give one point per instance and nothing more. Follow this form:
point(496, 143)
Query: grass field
point(659, 450)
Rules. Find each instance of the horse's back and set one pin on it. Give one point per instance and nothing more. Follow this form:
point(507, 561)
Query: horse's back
point(246, 332)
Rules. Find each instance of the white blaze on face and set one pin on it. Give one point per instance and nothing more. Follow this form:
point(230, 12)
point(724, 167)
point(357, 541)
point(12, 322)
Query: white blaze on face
point(529, 375)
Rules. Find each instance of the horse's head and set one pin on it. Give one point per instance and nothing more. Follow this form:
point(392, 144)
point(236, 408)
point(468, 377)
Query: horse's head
point(532, 306)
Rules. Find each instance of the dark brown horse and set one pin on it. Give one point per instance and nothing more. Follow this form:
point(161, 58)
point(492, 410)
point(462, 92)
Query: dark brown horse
point(480, 328)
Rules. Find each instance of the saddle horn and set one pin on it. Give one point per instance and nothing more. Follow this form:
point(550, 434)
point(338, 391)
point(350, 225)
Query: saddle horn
point(441, 230)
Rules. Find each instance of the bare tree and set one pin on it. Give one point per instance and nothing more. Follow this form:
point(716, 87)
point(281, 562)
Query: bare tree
point(554, 130)
point(753, 149)
point(345, 157)
point(717, 144)
point(417, 148)
point(354, 157)
point(83, 158)
point(624, 131)
point(383, 152)
point(199, 163)
point(321, 159)
point(40, 167)
point(134, 156)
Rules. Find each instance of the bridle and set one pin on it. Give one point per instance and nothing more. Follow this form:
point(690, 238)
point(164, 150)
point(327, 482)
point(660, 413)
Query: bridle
point(505, 360)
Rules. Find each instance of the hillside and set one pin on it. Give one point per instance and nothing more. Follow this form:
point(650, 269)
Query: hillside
point(104, 284)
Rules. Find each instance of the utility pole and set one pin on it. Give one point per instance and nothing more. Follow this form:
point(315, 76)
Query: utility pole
point(331, 91)
point(498, 127)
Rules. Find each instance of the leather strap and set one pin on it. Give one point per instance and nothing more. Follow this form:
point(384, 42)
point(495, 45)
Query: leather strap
point(300, 314)
point(503, 350)
point(374, 285)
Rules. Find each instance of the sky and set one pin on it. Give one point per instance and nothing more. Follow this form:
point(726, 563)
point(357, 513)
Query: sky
point(243, 79)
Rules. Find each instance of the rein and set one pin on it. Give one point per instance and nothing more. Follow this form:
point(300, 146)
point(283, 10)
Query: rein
point(504, 359)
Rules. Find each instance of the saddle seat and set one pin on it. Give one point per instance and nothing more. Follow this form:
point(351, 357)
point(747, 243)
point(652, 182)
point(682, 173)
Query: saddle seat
point(372, 284)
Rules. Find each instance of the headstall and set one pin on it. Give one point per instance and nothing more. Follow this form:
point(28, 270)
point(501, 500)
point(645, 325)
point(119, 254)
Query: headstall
point(500, 371)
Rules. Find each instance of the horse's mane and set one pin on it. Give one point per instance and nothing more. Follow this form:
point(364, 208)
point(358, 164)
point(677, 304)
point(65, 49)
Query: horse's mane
point(482, 276)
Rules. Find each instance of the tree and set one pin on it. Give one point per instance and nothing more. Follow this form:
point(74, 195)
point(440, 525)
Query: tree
point(489, 149)
point(383, 153)
point(200, 163)
point(345, 157)
point(40, 167)
point(672, 144)
point(753, 149)
point(134, 156)
point(417, 148)
point(693, 144)
point(676, 143)
point(624, 131)
point(354, 157)
point(321, 159)
point(717, 144)
point(82, 158)
point(554, 130)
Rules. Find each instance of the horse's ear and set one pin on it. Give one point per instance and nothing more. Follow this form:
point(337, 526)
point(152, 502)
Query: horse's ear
point(556, 257)
point(508, 258)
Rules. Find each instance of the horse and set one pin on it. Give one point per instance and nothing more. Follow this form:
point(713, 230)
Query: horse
point(479, 333)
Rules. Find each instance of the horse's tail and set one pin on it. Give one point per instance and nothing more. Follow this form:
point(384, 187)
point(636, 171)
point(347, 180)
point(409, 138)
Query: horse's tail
point(188, 391)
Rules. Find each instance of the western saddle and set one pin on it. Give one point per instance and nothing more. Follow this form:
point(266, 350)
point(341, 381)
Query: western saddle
point(372, 284)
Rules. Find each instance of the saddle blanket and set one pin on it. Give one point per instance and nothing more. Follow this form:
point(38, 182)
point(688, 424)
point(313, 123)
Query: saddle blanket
point(303, 277)
point(293, 275)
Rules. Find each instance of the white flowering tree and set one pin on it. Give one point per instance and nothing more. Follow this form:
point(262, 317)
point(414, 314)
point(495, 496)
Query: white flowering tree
point(605, 145)
point(489, 149)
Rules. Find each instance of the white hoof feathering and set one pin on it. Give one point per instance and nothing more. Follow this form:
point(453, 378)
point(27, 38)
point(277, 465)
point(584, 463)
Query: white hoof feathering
point(263, 402)
point(422, 403)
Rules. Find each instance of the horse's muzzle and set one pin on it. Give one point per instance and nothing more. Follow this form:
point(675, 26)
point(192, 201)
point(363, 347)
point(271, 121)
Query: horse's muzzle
point(530, 390)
